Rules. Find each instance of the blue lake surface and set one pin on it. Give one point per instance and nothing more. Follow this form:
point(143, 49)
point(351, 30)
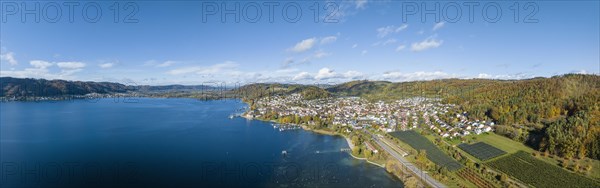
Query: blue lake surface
point(167, 143)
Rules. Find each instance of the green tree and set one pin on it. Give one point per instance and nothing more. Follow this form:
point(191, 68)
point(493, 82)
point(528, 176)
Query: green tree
point(411, 182)
point(422, 157)
point(503, 178)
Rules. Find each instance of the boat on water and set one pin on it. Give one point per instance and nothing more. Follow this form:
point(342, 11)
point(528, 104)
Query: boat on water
point(285, 127)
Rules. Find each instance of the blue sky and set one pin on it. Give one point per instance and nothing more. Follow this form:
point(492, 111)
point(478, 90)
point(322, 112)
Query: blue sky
point(172, 44)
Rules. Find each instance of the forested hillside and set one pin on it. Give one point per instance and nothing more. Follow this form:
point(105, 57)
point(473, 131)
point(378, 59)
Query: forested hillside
point(253, 91)
point(559, 115)
point(28, 87)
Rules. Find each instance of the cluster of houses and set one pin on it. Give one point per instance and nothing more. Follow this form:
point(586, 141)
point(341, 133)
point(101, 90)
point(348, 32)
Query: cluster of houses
point(461, 128)
point(355, 113)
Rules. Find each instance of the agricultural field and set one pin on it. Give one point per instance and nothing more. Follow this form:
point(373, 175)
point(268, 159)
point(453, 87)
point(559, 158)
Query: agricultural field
point(481, 150)
point(417, 141)
point(523, 166)
point(501, 142)
point(473, 177)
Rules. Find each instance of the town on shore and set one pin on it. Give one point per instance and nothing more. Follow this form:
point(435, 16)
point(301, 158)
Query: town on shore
point(422, 141)
point(347, 114)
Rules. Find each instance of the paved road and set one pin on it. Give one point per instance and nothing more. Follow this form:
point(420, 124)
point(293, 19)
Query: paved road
point(418, 172)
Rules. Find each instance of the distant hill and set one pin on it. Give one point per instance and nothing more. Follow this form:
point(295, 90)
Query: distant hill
point(358, 88)
point(258, 90)
point(29, 87)
point(22, 87)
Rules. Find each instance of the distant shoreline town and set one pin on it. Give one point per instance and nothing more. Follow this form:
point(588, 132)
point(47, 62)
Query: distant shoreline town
point(354, 113)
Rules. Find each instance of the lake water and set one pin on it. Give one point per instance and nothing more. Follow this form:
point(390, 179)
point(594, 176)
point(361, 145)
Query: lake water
point(167, 143)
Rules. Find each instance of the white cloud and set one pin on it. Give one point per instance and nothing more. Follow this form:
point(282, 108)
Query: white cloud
point(428, 43)
point(316, 55)
point(320, 54)
point(68, 72)
point(402, 27)
point(329, 39)
point(400, 48)
point(39, 69)
point(325, 73)
point(363, 52)
point(438, 25)
point(287, 62)
point(424, 75)
point(389, 41)
point(515, 76)
point(216, 68)
point(39, 64)
point(106, 65)
point(166, 64)
point(302, 76)
point(309, 43)
point(353, 75)
point(304, 45)
point(355, 45)
point(360, 4)
point(69, 68)
point(385, 31)
point(155, 63)
point(483, 75)
point(344, 9)
point(384, 43)
point(581, 72)
point(27, 73)
point(284, 71)
point(70, 65)
point(421, 75)
point(9, 57)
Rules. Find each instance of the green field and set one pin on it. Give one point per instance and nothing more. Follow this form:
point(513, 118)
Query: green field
point(511, 146)
point(481, 150)
point(503, 143)
point(417, 141)
point(523, 166)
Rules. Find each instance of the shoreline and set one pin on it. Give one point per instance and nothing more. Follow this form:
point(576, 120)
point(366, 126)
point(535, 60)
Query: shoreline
point(359, 158)
point(323, 132)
